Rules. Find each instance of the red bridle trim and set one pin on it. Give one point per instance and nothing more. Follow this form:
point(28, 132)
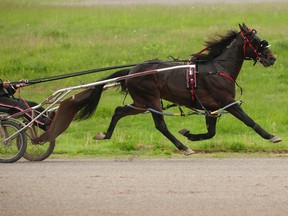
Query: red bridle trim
point(201, 51)
point(246, 41)
point(227, 76)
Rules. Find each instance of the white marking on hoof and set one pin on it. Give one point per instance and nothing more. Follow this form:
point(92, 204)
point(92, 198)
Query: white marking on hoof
point(183, 131)
point(275, 139)
point(99, 136)
point(188, 152)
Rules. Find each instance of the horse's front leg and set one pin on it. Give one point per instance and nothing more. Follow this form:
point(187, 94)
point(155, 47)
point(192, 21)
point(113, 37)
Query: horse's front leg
point(211, 127)
point(238, 112)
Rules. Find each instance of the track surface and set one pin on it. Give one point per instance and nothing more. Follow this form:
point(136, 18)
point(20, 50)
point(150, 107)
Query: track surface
point(142, 187)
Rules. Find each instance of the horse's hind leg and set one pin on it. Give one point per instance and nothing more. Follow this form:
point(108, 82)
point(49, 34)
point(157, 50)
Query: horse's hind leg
point(162, 127)
point(211, 127)
point(63, 117)
point(119, 113)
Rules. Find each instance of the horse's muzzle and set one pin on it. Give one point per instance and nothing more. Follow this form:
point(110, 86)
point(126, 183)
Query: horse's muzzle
point(267, 58)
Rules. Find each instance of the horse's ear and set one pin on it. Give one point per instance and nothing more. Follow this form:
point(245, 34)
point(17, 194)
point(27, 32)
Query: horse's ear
point(243, 28)
point(240, 27)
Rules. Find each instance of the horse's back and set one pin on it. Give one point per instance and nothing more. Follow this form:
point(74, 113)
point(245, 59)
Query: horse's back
point(170, 85)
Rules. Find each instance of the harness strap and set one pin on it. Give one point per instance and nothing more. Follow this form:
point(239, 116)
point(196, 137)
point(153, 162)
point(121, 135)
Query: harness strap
point(227, 76)
point(201, 51)
point(191, 79)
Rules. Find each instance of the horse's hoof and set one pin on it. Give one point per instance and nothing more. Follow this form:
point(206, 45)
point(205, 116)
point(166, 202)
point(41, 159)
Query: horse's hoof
point(183, 131)
point(275, 139)
point(99, 136)
point(37, 141)
point(188, 152)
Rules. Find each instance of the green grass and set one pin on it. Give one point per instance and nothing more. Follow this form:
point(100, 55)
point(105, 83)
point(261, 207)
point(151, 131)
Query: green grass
point(43, 38)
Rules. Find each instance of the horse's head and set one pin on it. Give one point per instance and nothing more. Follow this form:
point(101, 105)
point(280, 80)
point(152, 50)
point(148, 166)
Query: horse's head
point(256, 48)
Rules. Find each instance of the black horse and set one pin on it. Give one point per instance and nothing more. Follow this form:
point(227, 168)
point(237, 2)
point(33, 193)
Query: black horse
point(210, 87)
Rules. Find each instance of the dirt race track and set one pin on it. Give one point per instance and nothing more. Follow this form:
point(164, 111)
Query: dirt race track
point(145, 187)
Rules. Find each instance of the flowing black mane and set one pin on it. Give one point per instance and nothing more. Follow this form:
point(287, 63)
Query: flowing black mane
point(216, 45)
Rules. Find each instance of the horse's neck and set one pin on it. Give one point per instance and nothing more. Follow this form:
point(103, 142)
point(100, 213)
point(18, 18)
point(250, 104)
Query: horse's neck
point(232, 58)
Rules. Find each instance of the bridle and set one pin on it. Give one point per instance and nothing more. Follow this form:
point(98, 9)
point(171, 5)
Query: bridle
point(255, 43)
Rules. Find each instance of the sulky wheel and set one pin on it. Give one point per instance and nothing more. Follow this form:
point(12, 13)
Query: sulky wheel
point(37, 152)
point(12, 149)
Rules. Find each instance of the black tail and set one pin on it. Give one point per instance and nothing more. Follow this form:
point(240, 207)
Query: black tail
point(87, 107)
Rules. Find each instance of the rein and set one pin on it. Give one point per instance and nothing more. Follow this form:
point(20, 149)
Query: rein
point(64, 76)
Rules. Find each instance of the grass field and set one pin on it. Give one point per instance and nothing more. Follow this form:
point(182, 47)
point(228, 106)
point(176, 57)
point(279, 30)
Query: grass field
point(43, 38)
